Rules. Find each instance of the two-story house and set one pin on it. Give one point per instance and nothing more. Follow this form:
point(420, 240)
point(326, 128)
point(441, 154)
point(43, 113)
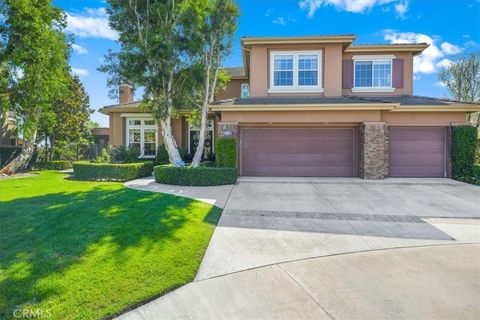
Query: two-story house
point(316, 106)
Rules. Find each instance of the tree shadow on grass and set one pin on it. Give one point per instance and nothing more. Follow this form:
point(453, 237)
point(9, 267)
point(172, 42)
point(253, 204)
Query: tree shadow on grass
point(45, 235)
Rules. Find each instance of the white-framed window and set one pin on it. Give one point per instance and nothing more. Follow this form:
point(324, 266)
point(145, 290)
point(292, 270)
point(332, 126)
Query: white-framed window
point(295, 71)
point(372, 74)
point(142, 134)
point(193, 136)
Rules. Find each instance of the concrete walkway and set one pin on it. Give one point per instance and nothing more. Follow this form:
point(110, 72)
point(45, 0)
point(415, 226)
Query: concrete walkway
point(216, 195)
point(437, 282)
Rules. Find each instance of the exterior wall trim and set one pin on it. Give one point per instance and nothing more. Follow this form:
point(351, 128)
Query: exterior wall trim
point(304, 107)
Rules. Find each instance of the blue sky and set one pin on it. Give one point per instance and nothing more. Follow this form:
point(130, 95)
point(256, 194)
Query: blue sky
point(452, 27)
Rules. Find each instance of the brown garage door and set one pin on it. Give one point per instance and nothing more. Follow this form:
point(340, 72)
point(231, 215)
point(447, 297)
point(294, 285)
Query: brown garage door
point(417, 151)
point(303, 152)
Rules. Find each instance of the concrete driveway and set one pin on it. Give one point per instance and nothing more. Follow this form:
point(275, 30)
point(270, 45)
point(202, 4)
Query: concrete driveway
point(315, 248)
point(272, 220)
point(437, 282)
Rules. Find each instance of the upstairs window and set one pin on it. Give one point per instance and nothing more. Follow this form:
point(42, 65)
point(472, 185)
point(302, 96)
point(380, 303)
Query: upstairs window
point(283, 70)
point(373, 74)
point(298, 71)
point(307, 70)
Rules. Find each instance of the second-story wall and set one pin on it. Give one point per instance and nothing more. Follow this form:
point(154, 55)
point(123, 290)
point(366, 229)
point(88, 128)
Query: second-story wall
point(407, 73)
point(331, 64)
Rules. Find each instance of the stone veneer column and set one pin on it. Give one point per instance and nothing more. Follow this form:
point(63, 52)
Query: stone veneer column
point(373, 156)
point(228, 130)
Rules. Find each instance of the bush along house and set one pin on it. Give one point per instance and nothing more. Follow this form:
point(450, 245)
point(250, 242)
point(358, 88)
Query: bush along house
point(316, 106)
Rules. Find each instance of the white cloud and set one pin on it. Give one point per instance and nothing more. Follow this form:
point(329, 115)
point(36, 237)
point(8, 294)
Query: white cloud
point(471, 43)
point(280, 20)
point(440, 84)
point(432, 58)
point(80, 72)
point(444, 63)
point(449, 48)
point(93, 23)
point(355, 6)
point(79, 49)
point(401, 8)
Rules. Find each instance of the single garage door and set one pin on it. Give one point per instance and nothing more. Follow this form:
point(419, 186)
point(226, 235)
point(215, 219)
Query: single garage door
point(417, 151)
point(302, 152)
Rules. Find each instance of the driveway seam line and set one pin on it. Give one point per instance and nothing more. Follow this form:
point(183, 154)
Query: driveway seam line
point(348, 223)
point(306, 291)
point(456, 243)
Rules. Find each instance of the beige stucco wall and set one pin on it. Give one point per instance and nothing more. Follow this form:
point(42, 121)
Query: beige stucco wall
point(233, 89)
point(331, 67)
point(321, 118)
point(423, 118)
point(407, 74)
point(116, 130)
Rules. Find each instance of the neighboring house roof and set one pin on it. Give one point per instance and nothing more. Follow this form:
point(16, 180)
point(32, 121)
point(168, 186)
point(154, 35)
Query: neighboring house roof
point(101, 131)
point(236, 72)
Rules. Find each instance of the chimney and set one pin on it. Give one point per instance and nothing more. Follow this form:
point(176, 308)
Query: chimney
point(125, 94)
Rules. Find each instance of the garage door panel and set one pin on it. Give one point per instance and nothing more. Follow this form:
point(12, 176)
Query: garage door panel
point(417, 151)
point(298, 151)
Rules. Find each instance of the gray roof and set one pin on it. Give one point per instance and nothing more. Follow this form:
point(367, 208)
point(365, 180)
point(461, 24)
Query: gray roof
point(298, 100)
point(402, 100)
point(235, 71)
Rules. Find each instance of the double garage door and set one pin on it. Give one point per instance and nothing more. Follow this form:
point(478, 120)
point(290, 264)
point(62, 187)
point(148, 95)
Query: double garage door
point(332, 152)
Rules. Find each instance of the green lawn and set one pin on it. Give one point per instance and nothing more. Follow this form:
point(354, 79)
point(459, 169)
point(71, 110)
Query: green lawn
point(88, 250)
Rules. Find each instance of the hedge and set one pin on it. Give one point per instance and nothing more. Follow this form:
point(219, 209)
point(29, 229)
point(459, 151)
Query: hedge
point(200, 176)
point(53, 165)
point(473, 177)
point(464, 142)
point(226, 152)
point(85, 170)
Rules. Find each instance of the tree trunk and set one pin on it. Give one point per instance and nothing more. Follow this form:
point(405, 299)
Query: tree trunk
point(203, 119)
point(167, 132)
point(170, 144)
point(22, 159)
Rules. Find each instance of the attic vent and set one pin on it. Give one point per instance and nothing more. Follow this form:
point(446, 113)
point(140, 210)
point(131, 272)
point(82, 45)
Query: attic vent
point(245, 91)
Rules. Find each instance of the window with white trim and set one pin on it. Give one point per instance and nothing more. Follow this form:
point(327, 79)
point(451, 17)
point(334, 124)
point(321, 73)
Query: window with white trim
point(142, 135)
point(297, 71)
point(373, 74)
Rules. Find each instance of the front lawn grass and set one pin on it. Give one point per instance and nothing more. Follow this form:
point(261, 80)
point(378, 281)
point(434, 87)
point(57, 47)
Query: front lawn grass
point(89, 250)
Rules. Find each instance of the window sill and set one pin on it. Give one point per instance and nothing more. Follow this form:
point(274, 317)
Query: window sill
point(295, 90)
point(373, 89)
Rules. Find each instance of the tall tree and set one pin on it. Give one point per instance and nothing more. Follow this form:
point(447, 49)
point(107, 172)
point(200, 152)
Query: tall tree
point(152, 56)
point(36, 54)
point(67, 120)
point(210, 26)
point(462, 80)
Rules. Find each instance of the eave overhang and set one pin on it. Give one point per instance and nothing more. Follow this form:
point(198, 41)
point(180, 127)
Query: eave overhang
point(304, 107)
point(415, 48)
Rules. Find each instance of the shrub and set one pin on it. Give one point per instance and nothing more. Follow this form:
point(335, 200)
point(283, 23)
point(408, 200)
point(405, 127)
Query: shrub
point(131, 155)
point(85, 170)
point(226, 152)
point(162, 155)
point(103, 157)
point(464, 142)
point(473, 177)
point(201, 176)
point(53, 165)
